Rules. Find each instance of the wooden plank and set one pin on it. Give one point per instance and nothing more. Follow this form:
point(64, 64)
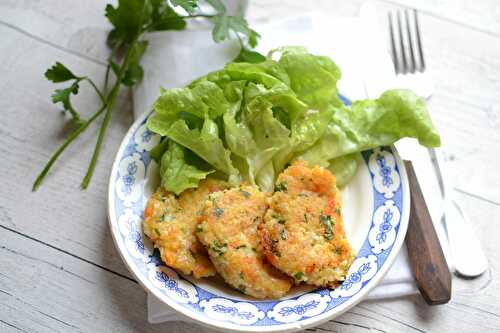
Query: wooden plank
point(80, 27)
point(474, 307)
point(42, 290)
point(60, 213)
point(481, 15)
point(465, 107)
point(466, 68)
point(265, 10)
point(46, 291)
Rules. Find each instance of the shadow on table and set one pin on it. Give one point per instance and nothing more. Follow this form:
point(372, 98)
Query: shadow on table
point(129, 299)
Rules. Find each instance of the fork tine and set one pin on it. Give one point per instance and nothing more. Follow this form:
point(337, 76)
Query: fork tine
point(412, 60)
point(419, 42)
point(404, 59)
point(394, 54)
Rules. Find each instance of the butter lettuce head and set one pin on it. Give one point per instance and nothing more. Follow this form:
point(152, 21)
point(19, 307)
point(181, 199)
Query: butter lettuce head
point(248, 121)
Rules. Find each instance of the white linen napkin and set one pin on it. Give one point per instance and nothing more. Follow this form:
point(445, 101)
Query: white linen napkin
point(355, 44)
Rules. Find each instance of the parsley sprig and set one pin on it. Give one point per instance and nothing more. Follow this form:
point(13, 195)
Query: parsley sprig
point(131, 19)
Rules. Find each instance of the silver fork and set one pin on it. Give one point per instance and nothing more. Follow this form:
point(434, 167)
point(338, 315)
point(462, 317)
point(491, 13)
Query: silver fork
point(408, 58)
point(408, 55)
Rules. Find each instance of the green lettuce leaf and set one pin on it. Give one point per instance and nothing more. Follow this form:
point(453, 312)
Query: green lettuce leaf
point(206, 143)
point(254, 135)
point(248, 121)
point(313, 78)
point(176, 174)
point(373, 123)
point(157, 152)
point(344, 168)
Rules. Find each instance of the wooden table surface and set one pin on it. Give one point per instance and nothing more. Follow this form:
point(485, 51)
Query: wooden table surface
point(59, 270)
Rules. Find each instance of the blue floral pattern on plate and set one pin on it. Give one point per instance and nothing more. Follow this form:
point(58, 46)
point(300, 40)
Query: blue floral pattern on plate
point(127, 198)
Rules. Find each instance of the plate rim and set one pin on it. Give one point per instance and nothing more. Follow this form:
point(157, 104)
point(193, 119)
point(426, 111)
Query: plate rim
point(231, 327)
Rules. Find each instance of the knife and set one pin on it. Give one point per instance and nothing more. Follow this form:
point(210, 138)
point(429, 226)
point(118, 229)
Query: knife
point(470, 260)
point(425, 254)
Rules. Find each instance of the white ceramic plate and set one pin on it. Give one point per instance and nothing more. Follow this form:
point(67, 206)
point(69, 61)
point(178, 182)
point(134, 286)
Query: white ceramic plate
point(376, 211)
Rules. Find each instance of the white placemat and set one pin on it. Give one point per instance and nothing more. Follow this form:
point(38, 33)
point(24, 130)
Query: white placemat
point(355, 44)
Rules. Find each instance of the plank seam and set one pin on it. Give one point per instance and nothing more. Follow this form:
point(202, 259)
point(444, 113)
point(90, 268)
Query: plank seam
point(477, 196)
point(51, 44)
point(13, 326)
point(393, 319)
point(67, 253)
point(475, 308)
point(358, 325)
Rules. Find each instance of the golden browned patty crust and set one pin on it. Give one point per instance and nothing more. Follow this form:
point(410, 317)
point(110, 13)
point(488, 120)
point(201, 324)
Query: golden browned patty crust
point(228, 229)
point(171, 223)
point(303, 233)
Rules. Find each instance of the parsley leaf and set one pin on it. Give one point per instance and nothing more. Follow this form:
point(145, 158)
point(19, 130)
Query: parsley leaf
point(221, 28)
point(132, 17)
point(59, 73)
point(188, 5)
point(249, 56)
point(63, 95)
point(163, 17)
point(217, 5)
point(237, 24)
point(253, 38)
point(127, 20)
point(114, 67)
point(134, 72)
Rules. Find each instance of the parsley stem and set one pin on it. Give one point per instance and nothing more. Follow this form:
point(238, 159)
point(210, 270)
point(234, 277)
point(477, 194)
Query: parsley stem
point(74, 114)
point(108, 68)
point(98, 92)
point(66, 143)
point(199, 15)
point(151, 25)
point(107, 116)
point(106, 78)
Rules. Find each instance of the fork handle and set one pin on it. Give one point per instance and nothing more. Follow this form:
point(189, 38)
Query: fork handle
point(427, 260)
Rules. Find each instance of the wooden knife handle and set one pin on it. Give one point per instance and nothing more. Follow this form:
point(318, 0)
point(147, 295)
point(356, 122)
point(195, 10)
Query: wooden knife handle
point(424, 250)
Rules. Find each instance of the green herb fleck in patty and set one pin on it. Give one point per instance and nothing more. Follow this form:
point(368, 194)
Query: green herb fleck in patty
point(283, 234)
point(219, 212)
point(219, 248)
point(328, 223)
point(246, 194)
point(298, 276)
point(281, 187)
